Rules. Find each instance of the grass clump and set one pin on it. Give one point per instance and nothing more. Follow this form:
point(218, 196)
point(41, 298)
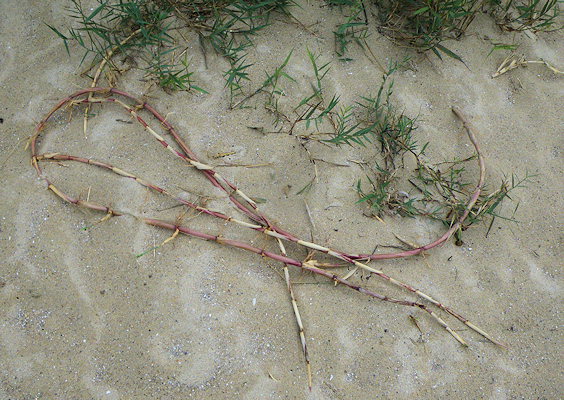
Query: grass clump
point(354, 28)
point(229, 26)
point(438, 191)
point(142, 30)
point(426, 24)
point(533, 15)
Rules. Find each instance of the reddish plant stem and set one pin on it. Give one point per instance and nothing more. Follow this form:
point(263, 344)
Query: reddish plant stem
point(303, 265)
point(68, 157)
point(81, 203)
point(249, 208)
point(65, 157)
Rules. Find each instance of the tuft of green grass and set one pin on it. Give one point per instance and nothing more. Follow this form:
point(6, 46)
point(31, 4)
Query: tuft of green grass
point(138, 29)
point(378, 120)
point(272, 88)
point(233, 23)
point(426, 24)
point(437, 191)
point(142, 30)
point(272, 80)
point(533, 15)
point(348, 131)
point(172, 76)
point(235, 75)
point(354, 28)
point(110, 23)
point(313, 108)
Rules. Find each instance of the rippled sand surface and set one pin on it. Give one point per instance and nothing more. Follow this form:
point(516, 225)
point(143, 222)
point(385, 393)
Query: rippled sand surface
point(81, 317)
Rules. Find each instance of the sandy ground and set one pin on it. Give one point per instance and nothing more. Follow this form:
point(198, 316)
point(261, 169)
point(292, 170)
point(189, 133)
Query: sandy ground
point(82, 318)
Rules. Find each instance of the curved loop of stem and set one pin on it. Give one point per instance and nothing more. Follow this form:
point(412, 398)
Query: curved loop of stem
point(248, 206)
point(245, 203)
point(308, 266)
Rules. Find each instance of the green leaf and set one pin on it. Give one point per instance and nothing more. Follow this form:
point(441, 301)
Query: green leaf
point(59, 34)
point(199, 89)
point(95, 12)
point(449, 53)
point(421, 10)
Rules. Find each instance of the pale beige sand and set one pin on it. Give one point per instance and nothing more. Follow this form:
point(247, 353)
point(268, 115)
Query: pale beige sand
point(82, 317)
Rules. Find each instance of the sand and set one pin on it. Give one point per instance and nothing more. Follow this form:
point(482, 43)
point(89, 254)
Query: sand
point(81, 317)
